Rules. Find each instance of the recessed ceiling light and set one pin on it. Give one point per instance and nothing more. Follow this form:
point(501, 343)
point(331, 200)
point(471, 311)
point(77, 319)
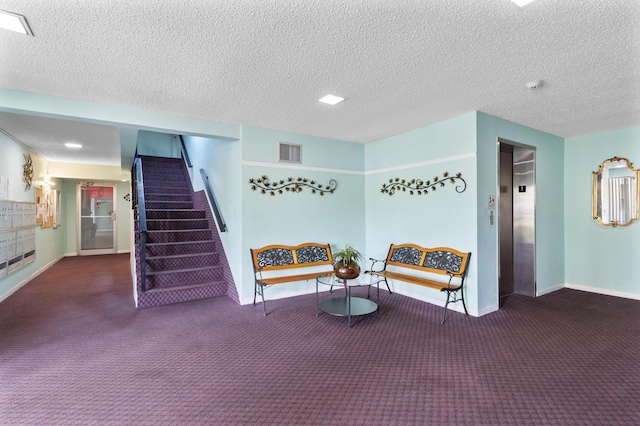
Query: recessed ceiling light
point(72, 145)
point(521, 3)
point(331, 100)
point(11, 21)
point(535, 84)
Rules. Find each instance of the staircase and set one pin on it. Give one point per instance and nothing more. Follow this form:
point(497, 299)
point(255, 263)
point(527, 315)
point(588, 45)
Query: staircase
point(184, 258)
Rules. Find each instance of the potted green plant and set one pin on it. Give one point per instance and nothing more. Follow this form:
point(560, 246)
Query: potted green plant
point(345, 262)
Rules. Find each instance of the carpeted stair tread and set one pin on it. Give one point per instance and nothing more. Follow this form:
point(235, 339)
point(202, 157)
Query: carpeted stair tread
point(166, 194)
point(185, 286)
point(172, 243)
point(174, 211)
point(176, 230)
point(178, 220)
point(182, 270)
point(177, 235)
point(169, 205)
point(157, 214)
point(173, 256)
point(163, 192)
point(158, 185)
point(189, 204)
point(165, 189)
point(180, 247)
point(177, 224)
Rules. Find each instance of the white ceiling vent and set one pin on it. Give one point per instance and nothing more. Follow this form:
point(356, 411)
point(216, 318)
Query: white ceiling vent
point(290, 153)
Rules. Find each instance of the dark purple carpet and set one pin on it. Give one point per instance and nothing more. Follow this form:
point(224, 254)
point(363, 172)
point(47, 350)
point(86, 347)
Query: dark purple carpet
point(74, 351)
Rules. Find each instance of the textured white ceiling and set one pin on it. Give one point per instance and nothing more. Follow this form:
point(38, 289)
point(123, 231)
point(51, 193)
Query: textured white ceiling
point(47, 136)
point(400, 64)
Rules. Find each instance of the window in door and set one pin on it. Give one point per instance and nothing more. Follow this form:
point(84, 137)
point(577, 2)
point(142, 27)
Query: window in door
point(97, 219)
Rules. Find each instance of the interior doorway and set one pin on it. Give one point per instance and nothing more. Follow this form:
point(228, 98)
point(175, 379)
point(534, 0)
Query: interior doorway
point(96, 219)
point(516, 220)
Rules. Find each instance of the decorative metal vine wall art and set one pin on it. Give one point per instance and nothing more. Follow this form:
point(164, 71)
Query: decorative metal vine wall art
point(290, 185)
point(420, 187)
point(27, 172)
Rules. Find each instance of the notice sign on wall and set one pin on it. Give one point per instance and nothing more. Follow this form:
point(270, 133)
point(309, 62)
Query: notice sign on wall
point(492, 202)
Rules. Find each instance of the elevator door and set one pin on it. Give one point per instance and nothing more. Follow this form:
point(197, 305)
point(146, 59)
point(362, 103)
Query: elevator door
point(517, 221)
point(524, 210)
point(506, 222)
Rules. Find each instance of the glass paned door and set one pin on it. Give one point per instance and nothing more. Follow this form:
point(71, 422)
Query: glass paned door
point(97, 219)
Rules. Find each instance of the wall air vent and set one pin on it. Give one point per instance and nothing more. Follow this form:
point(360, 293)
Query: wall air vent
point(290, 153)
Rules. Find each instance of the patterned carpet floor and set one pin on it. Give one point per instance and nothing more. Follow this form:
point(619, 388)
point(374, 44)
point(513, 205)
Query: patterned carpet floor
point(74, 351)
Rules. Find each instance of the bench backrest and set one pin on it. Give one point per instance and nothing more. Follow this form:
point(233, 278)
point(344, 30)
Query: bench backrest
point(275, 257)
point(438, 260)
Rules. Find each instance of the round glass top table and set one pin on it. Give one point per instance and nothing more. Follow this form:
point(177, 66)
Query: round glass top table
point(348, 306)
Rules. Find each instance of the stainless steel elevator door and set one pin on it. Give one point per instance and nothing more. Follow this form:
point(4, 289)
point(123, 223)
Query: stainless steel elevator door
point(524, 229)
point(517, 221)
point(505, 279)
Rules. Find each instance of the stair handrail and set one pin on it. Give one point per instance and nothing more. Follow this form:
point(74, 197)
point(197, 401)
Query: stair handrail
point(139, 206)
point(222, 226)
point(185, 153)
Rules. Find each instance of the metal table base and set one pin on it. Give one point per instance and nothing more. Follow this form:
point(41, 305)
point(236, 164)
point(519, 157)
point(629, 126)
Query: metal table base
point(348, 306)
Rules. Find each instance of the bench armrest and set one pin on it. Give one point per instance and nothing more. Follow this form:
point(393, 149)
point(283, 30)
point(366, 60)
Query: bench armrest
point(373, 263)
point(259, 273)
point(452, 275)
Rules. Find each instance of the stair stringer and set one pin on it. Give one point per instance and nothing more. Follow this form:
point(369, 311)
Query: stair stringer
point(201, 203)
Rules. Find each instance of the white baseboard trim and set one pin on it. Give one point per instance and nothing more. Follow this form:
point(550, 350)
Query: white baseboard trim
point(134, 278)
point(487, 310)
point(549, 290)
point(117, 252)
point(29, 278)
point(452, 306)
point(603, 291)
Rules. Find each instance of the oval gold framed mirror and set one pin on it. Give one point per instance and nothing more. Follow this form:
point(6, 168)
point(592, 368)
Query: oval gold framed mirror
point(616, 189)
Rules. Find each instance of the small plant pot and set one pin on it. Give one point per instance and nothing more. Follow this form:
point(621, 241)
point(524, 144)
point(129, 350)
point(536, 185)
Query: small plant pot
point(347, 271)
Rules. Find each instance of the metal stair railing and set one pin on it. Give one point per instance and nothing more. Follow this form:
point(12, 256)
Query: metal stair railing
point(137, 189)
point(222, 226)
point(185, 153)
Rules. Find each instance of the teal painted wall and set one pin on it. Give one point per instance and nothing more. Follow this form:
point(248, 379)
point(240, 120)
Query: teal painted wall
point(449, 138)
point(549, 205)
point(466, 144)
point(441, 218)
point(69, 206)
point(157, 144)
point(49, 241)
point(293, 219)
point(221, 160)
point(261, 145)
point(599, 258)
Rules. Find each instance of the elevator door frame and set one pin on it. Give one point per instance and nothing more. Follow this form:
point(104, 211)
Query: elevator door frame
point(531, 287)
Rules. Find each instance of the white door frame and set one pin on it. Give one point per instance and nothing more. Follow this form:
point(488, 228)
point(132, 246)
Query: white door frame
point(114, 215)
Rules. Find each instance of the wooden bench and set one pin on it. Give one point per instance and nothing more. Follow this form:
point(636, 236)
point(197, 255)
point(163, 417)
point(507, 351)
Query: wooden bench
point(285, 258)
point(440, 260)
